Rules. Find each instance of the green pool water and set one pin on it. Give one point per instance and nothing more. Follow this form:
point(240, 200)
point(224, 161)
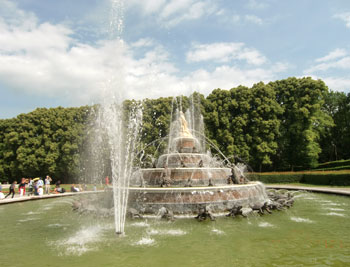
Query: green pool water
point(315, 232)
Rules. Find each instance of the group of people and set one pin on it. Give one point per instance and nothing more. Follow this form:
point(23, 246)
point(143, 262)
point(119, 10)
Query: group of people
point(35, 187)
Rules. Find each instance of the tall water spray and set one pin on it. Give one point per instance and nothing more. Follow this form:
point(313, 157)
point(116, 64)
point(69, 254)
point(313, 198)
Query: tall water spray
point(120, 126)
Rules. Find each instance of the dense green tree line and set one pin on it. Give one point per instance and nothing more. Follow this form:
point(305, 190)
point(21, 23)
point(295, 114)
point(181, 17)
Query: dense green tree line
point(45, 141)
point(283, 125)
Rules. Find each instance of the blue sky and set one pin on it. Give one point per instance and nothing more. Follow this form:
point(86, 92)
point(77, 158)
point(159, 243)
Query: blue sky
point(69, 53)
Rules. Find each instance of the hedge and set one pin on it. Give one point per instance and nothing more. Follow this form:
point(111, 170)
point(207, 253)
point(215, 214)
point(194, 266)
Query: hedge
point(333, 164)
point(327, 179)
point(334, 168)
point(276, 178)
point(317, 178)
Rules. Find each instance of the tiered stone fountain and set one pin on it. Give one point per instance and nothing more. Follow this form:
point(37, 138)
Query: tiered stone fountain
point(185, 180)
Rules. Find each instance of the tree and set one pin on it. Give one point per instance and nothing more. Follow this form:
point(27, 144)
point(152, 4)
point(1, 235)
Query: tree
point(263, 125)
point(302, 121)
point(336, 139)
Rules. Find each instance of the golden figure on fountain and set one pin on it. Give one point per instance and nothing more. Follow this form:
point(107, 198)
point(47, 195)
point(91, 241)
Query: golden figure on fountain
point(184, 132)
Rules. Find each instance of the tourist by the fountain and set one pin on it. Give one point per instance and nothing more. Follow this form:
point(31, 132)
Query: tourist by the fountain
point(58, 189)
point(30, 187)
point(73, 188)
point(80, 188)
point(40, 191)
point(12, 189)
point(200, 164)
point(107, 181)
point(22, 187)
point(2, 196)
point(48, 181)
point(40, 182)
point(94, 188)
point(210, 182)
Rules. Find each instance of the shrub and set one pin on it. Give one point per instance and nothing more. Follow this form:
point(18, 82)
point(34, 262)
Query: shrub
point(327, 178)
point(287, 177)
point(316, 177)
point(333, 164)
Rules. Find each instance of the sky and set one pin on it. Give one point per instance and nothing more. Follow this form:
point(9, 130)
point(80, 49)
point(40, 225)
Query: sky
point(70, 53)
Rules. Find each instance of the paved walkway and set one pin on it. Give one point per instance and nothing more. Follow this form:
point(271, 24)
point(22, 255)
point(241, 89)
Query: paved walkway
point(17, 198)
point(327, 190)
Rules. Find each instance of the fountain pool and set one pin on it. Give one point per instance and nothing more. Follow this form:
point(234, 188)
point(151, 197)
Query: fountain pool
point(47, 233)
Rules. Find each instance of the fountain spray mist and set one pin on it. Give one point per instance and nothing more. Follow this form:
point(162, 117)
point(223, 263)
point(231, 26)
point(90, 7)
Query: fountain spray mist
point(121, 125)
point(123, 136)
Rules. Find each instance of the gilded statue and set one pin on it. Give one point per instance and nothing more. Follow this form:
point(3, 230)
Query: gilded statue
point(184, 132)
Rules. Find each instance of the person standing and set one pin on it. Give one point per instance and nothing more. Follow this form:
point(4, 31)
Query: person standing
point(35, 188)
point(22, 187)
point(30, 187)
point(48, 181)
point(2, 196)
point(12, 189)
point(40, 182)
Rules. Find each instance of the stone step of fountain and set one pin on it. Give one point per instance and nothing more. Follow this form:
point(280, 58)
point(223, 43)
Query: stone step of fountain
point(183, 160)
point(182, 176)
point(190, 199)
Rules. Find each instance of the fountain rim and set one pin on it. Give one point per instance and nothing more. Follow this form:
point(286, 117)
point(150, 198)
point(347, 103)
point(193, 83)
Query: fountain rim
point(186, 168)
point(191, 189)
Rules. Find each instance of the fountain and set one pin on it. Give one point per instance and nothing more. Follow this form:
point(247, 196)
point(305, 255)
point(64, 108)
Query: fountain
point(186, 179)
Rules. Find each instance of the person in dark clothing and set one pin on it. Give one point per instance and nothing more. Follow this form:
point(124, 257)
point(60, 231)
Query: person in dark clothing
point(12, 189)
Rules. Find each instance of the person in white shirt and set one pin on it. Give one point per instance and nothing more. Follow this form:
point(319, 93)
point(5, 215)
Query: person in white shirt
point(40, 191)
point(47, 184)
point(40, 182)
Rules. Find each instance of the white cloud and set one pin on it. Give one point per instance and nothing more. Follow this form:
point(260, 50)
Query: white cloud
point(343, 63)
point(225, 52)
point(44, 59)
point(253, 19)
point(254, 4)
point(151, 6)
point(337, 59)
point(226, 77)
point(173, 12)
point(345, 17)
point(338, 84)
point(143, 42)
point(227, 17)
point(333, 55)
point(10, 14)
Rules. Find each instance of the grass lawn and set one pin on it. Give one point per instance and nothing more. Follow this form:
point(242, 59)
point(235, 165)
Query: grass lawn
point(311, 185)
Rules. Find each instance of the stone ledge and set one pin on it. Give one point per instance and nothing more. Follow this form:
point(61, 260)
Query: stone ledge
point(28, 198)
point(326, 190)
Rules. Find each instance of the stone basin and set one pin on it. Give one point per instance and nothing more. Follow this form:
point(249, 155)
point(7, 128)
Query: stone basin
point(188, 200)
